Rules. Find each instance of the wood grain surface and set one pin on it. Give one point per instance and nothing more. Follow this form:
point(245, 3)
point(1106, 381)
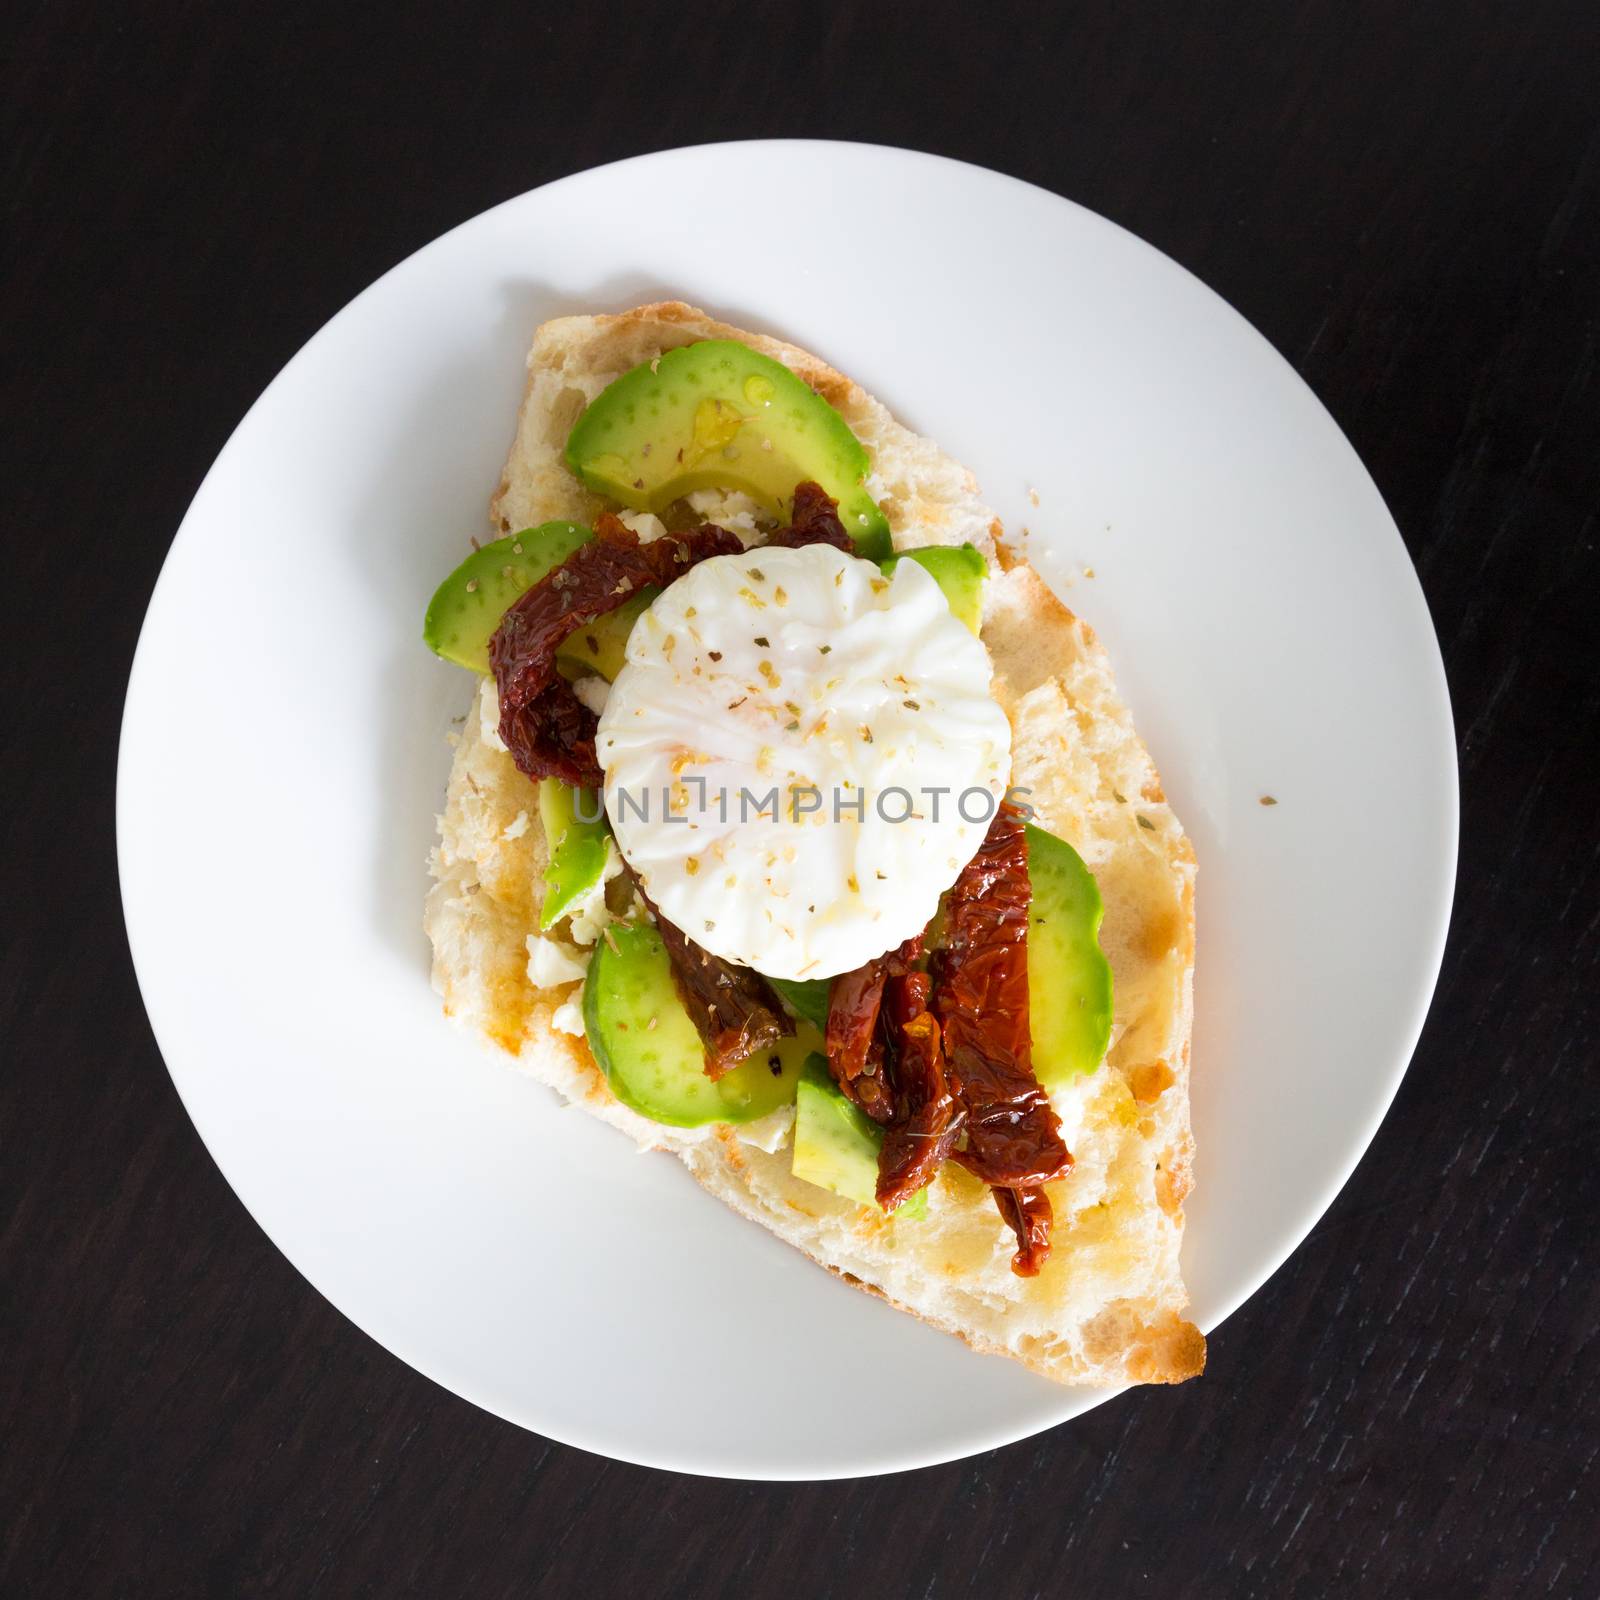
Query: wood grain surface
point(1405, 199)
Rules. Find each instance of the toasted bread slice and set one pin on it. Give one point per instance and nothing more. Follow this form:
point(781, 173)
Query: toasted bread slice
point(1107, 1308)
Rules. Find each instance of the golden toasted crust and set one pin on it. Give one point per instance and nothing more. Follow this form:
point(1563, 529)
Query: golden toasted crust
point(1108, 1306)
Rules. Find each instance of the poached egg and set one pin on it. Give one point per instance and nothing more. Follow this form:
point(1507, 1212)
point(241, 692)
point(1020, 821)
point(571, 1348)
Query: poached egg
point(800, 755)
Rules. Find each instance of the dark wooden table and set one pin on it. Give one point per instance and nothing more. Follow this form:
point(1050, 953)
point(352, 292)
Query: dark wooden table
point(1405, 199)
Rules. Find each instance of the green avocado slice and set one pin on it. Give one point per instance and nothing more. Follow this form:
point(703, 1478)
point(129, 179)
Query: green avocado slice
point(648, 1048)
point(467, 607)
point(806, 997)
point(601, 645)
point(719, 415)
point(958, 569)
point(836, 1146)
point(1069, 978)
point(577, 847)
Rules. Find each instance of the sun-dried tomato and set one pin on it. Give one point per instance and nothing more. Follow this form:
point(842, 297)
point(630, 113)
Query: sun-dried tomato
point(734, 1009)
point(854, 1042)
point(884, 1052)
point(1028, 1214)
point(547, 729)
point(927, 1116)
point(551, 735)
point(815, 521)
point(981, 999)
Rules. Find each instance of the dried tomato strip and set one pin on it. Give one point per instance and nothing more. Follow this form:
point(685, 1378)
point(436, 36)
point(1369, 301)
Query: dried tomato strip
point(854, 1043)
point(815, 521)
point(551, 735)
point(1027, 1212)
point(734, 1009)
point(547, 729)
point(927, 1115)
point(981, 999)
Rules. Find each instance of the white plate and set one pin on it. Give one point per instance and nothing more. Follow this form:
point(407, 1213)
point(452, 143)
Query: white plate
point(283, 753)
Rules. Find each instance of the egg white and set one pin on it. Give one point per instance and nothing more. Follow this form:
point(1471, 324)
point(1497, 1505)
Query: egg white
point(809, 673)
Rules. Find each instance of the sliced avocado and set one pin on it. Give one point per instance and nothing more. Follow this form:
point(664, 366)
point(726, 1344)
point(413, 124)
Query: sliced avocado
point(648, 1048)
point(806, 997)
point(602, 645)
point(719, 415)
point(836, 1146)
point(467, 607)
point(577, 847)
point(1069, 978)
point(958, 569)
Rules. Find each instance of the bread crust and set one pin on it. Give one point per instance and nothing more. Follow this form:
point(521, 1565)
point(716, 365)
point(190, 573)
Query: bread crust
point(1108, 1307)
